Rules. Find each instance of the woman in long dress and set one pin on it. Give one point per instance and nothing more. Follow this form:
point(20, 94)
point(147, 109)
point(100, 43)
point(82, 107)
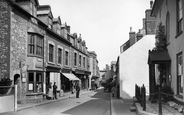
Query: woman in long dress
point(50, 92)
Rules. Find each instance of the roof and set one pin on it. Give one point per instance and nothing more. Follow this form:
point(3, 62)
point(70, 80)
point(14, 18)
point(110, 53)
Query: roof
point(158, 56)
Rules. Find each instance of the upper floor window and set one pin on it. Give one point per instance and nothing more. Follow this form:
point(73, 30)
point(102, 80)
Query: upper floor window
point(180, 73)
point(35, 44)
point(168, 27)
point(179, 16)
point(80, 60)
point(60, 53)
point(75, 59)
point(66, 58)
point(84, 62)
point(51, 53)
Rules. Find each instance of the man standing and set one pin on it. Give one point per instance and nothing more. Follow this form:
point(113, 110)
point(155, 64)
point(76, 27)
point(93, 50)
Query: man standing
point(77, 90)
point(55, 90)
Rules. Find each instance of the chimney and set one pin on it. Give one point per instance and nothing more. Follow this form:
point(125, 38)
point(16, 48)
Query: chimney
point(151, 4)
point(131, 37)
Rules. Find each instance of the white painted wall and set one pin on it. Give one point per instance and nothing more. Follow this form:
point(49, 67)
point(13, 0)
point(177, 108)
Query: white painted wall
point(133, 65)
point(55, 77)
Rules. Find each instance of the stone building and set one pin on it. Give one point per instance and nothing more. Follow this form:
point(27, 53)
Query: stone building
point(36, 49)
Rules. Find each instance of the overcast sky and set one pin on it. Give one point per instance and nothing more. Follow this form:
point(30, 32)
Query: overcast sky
point(103, 24)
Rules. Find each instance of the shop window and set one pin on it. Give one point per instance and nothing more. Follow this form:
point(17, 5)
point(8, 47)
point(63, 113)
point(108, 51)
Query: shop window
point(35, 80)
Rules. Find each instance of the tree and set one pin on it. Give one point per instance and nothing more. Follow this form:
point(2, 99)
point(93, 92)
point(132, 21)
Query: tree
point(161, 42)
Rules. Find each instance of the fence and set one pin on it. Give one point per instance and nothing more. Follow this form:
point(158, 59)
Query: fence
point(140, 94)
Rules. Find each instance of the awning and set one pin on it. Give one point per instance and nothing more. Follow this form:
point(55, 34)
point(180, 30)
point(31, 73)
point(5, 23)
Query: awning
point(158, 56)
point(71, 76)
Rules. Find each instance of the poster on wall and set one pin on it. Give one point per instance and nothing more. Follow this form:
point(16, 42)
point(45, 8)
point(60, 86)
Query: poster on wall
point(30, 86)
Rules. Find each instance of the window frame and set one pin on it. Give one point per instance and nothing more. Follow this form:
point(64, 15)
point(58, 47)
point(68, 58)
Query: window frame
point(80, 60)
point(168, 27)
point(179, 66)
point(66, 57)
point(60, 55)
point(179, 17)
point(33, 46)
point(37, 86)
point(75, 59)
point(51, 53)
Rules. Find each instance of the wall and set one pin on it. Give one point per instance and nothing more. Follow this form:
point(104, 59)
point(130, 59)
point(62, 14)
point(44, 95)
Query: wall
point(6, 103)
point(4, 42)
point(133, 66)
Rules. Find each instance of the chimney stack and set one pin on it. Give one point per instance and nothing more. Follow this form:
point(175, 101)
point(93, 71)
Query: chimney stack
point(131, 37)
point(151, 4)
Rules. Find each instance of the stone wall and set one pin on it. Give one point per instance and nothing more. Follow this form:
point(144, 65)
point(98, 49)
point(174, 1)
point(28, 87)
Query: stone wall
point(4, 38)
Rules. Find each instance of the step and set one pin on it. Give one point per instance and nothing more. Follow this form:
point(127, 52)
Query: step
point(133, 108)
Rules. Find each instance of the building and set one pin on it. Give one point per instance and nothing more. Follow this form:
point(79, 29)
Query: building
point(95, 72)
point(37, 49)
point(133, 67)
point(170, 14)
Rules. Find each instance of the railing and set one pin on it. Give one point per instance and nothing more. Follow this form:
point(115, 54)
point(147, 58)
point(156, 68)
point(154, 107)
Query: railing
point(140, 94)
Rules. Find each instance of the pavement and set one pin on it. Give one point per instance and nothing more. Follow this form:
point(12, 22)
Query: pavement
point(118, 106)
point(151, 108)
point(46, 101)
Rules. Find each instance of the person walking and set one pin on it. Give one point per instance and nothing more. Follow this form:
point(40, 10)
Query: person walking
point(55, 90)
point(77, 90)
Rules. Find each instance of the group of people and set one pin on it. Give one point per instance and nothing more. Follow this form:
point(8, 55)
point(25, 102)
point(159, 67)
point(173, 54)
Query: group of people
point(75, 88)
point(52, 90)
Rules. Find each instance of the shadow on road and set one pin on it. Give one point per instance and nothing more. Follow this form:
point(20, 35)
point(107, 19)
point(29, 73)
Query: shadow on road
point(99, 104)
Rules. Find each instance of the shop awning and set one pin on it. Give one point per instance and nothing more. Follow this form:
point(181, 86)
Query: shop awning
point(158, 56)
point(71, 76)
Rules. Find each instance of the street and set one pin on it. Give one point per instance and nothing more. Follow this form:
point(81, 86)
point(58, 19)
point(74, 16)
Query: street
point(94, 103)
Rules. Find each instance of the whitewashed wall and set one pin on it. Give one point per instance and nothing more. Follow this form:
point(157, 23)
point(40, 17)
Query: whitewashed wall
point(133, 65)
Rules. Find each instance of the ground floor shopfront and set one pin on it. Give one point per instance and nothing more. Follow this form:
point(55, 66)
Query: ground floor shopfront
point(35, 83)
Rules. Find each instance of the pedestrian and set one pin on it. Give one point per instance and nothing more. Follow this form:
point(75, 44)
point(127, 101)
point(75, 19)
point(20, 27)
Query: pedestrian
point(50, 91)
point(77, 90)
point(55, 90)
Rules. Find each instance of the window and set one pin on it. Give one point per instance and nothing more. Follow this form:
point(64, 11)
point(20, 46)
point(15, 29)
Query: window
point(80, 60)
point(35, 80)
point(35, 45)
point(179, 17)
point(180, 73)
point(66, 57)
point(60, 53)
point(51, 53)
point(75, 59)
point(84, 62)
point(168, 27)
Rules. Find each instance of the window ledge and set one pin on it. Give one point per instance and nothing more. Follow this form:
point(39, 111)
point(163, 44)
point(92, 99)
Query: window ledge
point(179, 34)
point(32, 94)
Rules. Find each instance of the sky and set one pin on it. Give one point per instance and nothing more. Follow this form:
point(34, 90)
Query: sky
point(103, 24)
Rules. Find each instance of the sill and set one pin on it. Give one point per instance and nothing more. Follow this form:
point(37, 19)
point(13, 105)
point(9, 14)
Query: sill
point(33, 94)
point(178, 34)
point(51, 63)
point(32, 55)
point(179, 99)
